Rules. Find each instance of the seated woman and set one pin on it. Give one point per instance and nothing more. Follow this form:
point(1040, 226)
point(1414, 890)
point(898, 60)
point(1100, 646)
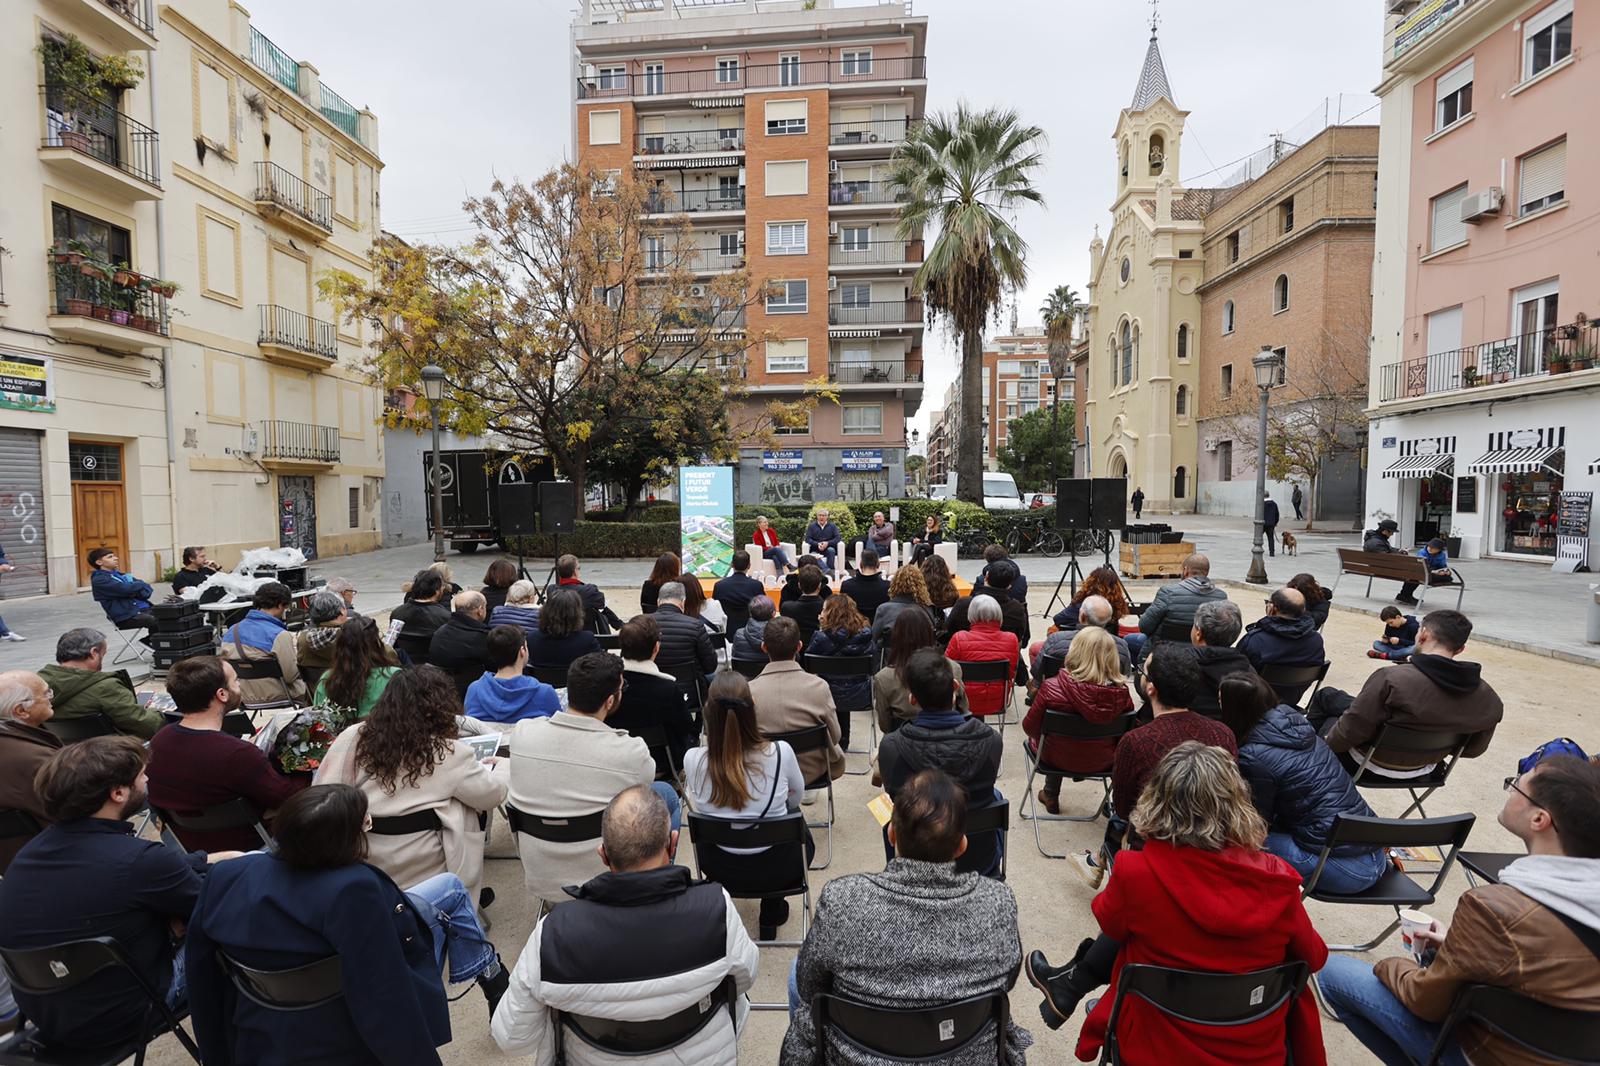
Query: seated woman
point(923, 543)
point(891, 699)
point(363, 666)
point(942, 592)
point(1298, 784)
point(313, 897)
point(791, 584)
point(907, 589)
point(1090, 685)
point(697, 605)
point(985, 642)
point(843, 630)
point(521, 608)
point(1201, 895)
point(666, 569)
point(1102, 581)
point(497, 581)
point(1318, 599)
point(407, 760)
point(560, 638)
point(426, 606)
point(766, 538)
point(739, 773)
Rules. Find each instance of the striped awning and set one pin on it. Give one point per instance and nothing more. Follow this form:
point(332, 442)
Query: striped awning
point(683, 162)
point(1519, 461)
point(846, 333)
point(1594, 467)
point(718, 101)
point(1421, 466)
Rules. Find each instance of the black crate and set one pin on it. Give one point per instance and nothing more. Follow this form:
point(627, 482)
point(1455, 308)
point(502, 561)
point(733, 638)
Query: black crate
point(186, 613)
point(188, 638)
point(165, 659)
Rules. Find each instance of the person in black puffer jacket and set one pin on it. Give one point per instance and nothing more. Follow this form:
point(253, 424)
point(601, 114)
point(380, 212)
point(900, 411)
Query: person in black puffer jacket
point(1298, 785)
point(843, 630)
point(747, 641)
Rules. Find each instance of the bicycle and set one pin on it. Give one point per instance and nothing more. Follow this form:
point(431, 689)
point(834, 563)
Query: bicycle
point(1026, 535)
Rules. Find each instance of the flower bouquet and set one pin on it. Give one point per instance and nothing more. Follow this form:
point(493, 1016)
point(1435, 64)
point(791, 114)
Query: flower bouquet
point(304, 740)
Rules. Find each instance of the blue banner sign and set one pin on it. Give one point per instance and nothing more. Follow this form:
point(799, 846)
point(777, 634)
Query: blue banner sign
point(861, 459)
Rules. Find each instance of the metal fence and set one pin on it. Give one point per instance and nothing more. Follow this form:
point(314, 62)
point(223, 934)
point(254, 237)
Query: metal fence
point(122, 298)
point(864, 192)
point(1333, 111)
point(874, 313)
point(299, 441)
point(339, 111)
point(876, 252)
point(291, 329)
point(274, 61)
point(851, 372)
point(98, 130)
point(871, 131)
point(633, 80)
point(668, 202)
point(675, 142)
point(1560, 349)
point(276, 185)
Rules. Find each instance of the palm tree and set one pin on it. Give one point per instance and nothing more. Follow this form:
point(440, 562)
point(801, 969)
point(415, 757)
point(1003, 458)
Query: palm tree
point(967, 173)
point(1060, 313)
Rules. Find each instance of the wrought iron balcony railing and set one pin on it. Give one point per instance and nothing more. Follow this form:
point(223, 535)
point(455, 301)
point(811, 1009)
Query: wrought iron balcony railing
point(875, 253)
point(864, 192)
point(300, 442)
point(679, 142)
point(1556, 350)
point(134, 11)
point(699, 257)
point(872, 131)
point(291, 329)
point(633, 80)
point(98, 130)
point(121, 297)
point(881, 312)
point(852, 372)
point(692, 201)
point(277, 186)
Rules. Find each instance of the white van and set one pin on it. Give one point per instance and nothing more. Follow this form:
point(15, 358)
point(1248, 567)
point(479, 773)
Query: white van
point(1000, 492)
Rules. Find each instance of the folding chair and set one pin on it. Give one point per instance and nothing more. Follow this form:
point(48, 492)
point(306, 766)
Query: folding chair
point(71, 730)
point(910, 1034)
point(848, 667)
point(609, 641)
point(312, 675)
point(237, 813)
point(1290, 682)
point(553, 829)
point(1395, 888)
point(814, 738)
point(400, 825)
point(264, 669)
point(1220, 1000)
point(1441, 749)
point(658, 1036)
point(749, 668)
point(991, 824)
point(1171, 633)
point(132, 634)
point(780, 870)
point(1555, 1033)
point(736, 621)
point(295, 989)
point(1069, 726)
point(993, 671)
point(1049, 666)
point(554, 676)
point(57, 970)
point(415, 647)
point(655, 738)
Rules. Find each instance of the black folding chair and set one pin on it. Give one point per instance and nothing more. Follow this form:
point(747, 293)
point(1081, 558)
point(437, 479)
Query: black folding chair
point(1220, 1000)
point(400, 825)
point(554, 676)
point(991, 825)
point(749, 668)
point(780, 870)
point(60, 968)
point(295, 989)
point(312, 676)
point(847, 668)
point(1419, 745)
point(415, 646)
point(655, 738)
point(1172, 633)
point(1290, 682)
point(609, 641)
point(1069, 726)
point(237, 813)
point(1555, 1033)
point(1395, 888)
point(654, 1037)
point(910, 1034)
point(264, 669)
point(82, 727)
point(814, 738)
point(991, 671)
point(737, 618)
point(1049, 666)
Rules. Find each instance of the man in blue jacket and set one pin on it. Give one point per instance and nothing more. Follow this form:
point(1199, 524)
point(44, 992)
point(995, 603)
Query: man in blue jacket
point(124, 598)
point(736, 590)
point(822, 538)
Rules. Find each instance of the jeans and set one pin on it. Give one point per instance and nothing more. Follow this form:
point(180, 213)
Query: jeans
point(828, 555)
point(448, 908)
point(1394, 651)
point(1136, 644)
point(3, 630)
point(670, 796)
point(794, 988)
point(1376, 1018)
point(178, 992)
point(1409, 589)
point(1270, 535)
point(1345, 875)
point(779, 557)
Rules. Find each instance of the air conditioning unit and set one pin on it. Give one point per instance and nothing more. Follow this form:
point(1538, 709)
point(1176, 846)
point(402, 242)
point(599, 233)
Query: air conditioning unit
point(1400, 7)
point(697, 290)
point(1485, 204)
point(1211, 444)
point(833, 231)
point(833, 166)
point(833, 283)
point(729, 144)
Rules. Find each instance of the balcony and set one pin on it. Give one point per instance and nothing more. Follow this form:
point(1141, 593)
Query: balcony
point(694, 201)
point(882, 131)
point(124, 24)
point(1424, 22)
point(284, 69)
point(1546, 353)
point(610, 83)
point(94, 143)
point(294, 339)
point(684, 142)
point(846, 193)
point(122, 311)
point(879, 313)
point(697, 319)
point(697, 258)
point(877, 253)
point(294, 203)
point(874, 372)
point(298, 446)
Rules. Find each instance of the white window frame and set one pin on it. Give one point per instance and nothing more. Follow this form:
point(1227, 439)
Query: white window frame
point(598, 112)
point(728, 70)
point(855, 238)
point(605, 183)
point(1552, 197)
point(1537, 293)
point(1280, 300)
point(787, 62)
point(786, 304)
point(655, 78)
point(1449, 88)
point(804, 171)
point(655, 252)
point(723, 245)
point(850, 293)
point(787, 238)
point(785, 127)
point(611, 78)
point(1027, 390)
point(844, 420)
point(785, 363)
point(1446, 208)
point(1537, 26)
point(1009, 367)
point(855, 61)
point(793, 431)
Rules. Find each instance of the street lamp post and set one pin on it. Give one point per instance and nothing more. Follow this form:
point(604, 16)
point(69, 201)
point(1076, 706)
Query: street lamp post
point(1268, 366)
point(433, 389)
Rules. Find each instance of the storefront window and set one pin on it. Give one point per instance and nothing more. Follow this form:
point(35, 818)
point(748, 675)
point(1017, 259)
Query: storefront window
point(1434, 508)
point(1528, 513)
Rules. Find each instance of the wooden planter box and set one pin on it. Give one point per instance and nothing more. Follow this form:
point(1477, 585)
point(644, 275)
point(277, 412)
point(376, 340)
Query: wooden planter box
point(1155, 560)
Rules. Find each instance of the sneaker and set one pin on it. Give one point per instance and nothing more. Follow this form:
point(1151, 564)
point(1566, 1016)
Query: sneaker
point(15, 637)
point(485, 897)
point(810, 796)
point(1409, 601)
point(1374, 653)
point(1089, 868)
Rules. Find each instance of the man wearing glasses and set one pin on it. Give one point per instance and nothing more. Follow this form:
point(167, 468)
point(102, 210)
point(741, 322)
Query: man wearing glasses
point(1536, 932)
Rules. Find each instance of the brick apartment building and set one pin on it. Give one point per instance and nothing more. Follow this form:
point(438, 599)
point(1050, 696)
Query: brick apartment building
point(770, 126)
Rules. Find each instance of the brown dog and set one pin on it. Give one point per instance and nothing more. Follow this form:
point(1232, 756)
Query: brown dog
point(1290, 545)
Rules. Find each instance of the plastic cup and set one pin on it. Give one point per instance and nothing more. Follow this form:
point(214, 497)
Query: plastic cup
point(1410, 922)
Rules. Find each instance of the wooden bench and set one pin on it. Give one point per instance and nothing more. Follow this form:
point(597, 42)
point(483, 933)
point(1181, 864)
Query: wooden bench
point(1393, 566)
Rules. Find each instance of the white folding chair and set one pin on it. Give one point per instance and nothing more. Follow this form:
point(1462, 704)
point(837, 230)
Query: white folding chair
point(947, 552)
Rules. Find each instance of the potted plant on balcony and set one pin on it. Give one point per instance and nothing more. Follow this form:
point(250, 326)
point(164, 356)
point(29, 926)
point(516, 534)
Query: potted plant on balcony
point(79, 83)
point(1469, 377)
point(1583, 356)
point(122, 299)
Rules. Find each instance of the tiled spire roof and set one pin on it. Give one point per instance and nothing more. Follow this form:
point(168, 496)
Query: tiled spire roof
point(1153, 79)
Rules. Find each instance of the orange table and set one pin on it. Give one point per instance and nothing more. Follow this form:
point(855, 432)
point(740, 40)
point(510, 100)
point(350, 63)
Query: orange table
point(775, 592)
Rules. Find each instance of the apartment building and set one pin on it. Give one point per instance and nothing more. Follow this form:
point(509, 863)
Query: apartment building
point(769, 125)
point(1484, 383)
point(1016, 382)
point(942, 435)
point(170, 375)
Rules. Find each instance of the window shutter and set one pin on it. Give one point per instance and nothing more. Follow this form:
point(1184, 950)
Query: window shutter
point(1544, 173)
point(1448, 229)
point(779, 110)
point(786, 177)
point(652, 124)
point(605, 127)
point(1454, 81)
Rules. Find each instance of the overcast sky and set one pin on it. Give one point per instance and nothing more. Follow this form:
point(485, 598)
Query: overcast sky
point(471, 89)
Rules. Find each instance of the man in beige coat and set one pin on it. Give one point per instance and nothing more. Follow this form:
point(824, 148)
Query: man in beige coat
point(787, 698)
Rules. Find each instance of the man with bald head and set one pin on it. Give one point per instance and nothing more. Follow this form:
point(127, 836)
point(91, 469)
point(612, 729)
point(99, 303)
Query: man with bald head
point(1175, 604)
point(460, 647)
point(1094, 612)
point(1286, 636)
point(643, 942)
point(25, 745)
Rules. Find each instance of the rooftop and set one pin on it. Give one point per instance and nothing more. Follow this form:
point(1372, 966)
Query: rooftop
point(1153, 84)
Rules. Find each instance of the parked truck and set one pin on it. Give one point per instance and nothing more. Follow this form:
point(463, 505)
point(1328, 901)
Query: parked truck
point(470, 484)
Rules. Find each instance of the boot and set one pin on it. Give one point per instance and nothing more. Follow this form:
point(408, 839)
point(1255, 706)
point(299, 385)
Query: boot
point(1050, 802)
point(494, 982)
point(1063, 987)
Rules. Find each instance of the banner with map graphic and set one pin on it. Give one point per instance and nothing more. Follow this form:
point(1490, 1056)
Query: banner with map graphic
point(705, 507)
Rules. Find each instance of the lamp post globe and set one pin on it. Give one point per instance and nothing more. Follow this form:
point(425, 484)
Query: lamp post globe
point(1268, 367)
point(433, 391)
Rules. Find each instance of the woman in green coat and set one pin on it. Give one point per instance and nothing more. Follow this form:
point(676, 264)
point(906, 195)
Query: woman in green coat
point(362, 667)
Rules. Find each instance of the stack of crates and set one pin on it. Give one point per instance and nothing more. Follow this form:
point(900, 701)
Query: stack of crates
point(181, 632)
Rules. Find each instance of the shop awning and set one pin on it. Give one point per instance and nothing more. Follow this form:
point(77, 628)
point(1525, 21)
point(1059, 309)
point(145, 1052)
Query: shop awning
point(1594, 467)
point(1421, 466)
point(1519, 461)
point(684, 162)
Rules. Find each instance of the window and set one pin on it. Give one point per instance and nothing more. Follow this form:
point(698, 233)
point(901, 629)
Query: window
point(786, 238)
point(788, 357)
point(863, 418)
point(655, 79)
point(787, 298)
point(857, 356)
point(1233, 247)
point(605, 127)
point(605, 184)
point(1185, 253)
point(785, 117)
point(1227, 381)
point(786, 178)
point(1009, 389)
point(1286, 215)
point(856, 238)
point(1227, 318)
point(728, 187)
point(1280, 294)
point(1182, 403)
point(727, 70)
point(799, 429)
point(858, 61)
point(1126, 353)
point(1283, 365)
point(1126, 270)
point(1453, 92)
point(1029, 406)
point(355, 507)
point(1009, 367)
point(613, 78)
point(1011, 410)
point(1535, 308)
point(655, 253)
point(1448, 229)
point(728, 245)
point(1225, 461)
point(1027, 390)
point(1183, 341)
point(789, 69)
point(856, 295)
point(1547, 38)
point(1542, 178)
point(1030, 370)
point(111, 243)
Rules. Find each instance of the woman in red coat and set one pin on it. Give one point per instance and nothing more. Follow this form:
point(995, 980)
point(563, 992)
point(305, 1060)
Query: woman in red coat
point(984, 642)
point(767, 541)
point(1089, 685)
point(1201, 895)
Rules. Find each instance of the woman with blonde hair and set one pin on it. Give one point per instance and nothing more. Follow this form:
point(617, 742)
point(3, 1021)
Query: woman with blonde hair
point(1200, 895)
point(1090, 685)
point(941, 587)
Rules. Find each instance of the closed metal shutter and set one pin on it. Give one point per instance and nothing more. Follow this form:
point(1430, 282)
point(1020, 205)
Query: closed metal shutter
point(22, 513)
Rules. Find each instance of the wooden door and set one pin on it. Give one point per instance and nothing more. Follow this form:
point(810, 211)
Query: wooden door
point(99, 520)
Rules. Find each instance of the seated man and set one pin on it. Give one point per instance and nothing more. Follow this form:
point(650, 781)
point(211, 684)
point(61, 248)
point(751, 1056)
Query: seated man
point(1436, 690)
point(196, 571)
point(651, 696)
point(586, 958)
point(1285, 636)
point(124, 598)
point(1217, 624)
point(747, 641)
point(806, 608)
point(867, 588)
point(507, 694)
point(1438, 559)
point(261, 634)
point(823, 539)
point(1537, 932)
point(313, 645)
point(993, 554)
point(82, 688)
point(736, 590)
point(571, 764)
point(597, 617)
point(195, 765)
point(345, 589)
point(89, 876)
point(878, 539)
point(999, 577)
point(25, 745)
point(1093, 612)
point(1176, 604)
point(918, 933)
point(787, 699)
point(1378, 540)
point(460, 647)
point(686, 652)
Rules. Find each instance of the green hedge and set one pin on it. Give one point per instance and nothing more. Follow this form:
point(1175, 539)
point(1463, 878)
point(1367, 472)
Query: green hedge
point(607, 540)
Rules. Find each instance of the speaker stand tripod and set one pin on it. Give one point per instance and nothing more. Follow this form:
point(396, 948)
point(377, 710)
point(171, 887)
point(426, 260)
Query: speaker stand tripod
point(555, 557)
point(1072, 572)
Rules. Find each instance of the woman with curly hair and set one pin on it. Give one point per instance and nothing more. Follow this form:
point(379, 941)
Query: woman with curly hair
point(908, 588)
point(1318, 599)
point(941, 587)
point(561, 637)
point(407, 761)
point(666, 569)
point(363, 666)
point(1102, 581)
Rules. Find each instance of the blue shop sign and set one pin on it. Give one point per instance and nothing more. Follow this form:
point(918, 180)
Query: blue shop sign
point(786, 461)
point(861, 459)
